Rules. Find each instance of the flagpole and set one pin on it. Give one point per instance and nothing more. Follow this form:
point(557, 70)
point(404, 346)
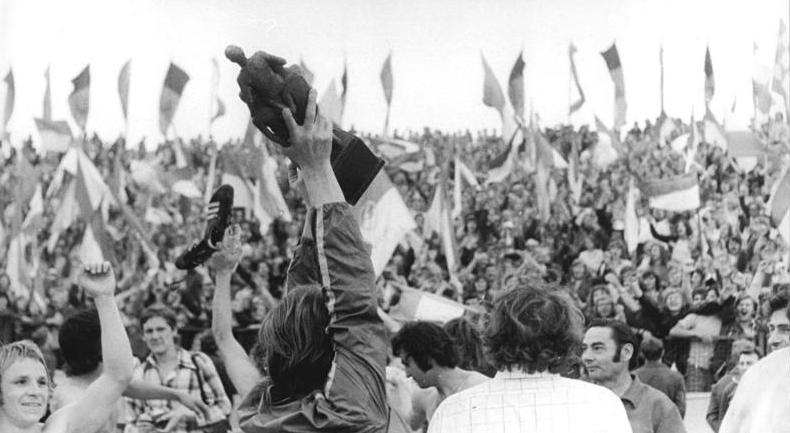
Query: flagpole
point(570, 89)
point(387, 121)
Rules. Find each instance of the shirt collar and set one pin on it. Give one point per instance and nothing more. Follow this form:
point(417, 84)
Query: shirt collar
point(183, 361)
point(634, 392)
point(520, 374)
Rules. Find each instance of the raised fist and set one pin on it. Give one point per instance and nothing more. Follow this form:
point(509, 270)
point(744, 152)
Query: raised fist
point(98, 279)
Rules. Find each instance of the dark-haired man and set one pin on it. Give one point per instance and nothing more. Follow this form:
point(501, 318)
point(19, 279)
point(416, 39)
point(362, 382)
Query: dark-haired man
point(174, 367)
point(722, 392)
point(656, 374)
point(80, 343)
point(609, 347)
point(430, 358)
point(530, 339)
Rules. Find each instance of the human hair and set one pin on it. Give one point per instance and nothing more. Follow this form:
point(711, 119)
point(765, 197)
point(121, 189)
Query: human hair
point(423, 342)
point(652, 348)
point(468, 343)
point(298, 352)
point(80, 342)
point(532, 328)
point(161, 311)
point(17, 351)
point(778, 302)
point(621, 334)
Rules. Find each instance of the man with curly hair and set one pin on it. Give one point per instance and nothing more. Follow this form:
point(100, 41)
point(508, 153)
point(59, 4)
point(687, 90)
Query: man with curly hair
point(531, 336)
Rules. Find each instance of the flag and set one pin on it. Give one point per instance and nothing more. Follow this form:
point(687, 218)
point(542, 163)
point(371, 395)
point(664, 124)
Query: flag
point(47, 113)
point(631, 220)
point(55, 135)
point(8, 106)
point(35, 213)
point(744, 143)
point(344, 84)
point(173, 88)
point(666, 129)
point(386, 84)
point(384, 219)
point(612, 59)
point(515, 88)
point(710, 83)
point(781, 64)
point(17, 266)
point(779, 203)
point(461, 174)
point(438, 220)
point(579, 102)
point(386, 79)
point(492, 91)
point(306, 73)
point(79, 99)
point(123, 88)
point(607, 149)
point(679, 193)
point(394, 148)
point(714, 133)
point(219, 111)
point(501, 166)
point(419, 305)
point(96, 244)
point(331, 104)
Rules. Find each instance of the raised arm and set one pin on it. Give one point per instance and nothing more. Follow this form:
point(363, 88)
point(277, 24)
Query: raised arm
point(92, 410)
point(241, 370)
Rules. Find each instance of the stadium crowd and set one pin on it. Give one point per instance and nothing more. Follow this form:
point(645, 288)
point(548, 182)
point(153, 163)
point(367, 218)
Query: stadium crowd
point(702, 287)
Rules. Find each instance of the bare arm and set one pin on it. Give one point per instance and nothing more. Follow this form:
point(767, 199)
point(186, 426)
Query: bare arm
point(91, 411)
point(142, 390)
point(241, 370)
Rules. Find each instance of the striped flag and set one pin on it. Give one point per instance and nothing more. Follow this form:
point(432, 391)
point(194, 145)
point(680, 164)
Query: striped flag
point(96, 244)
point(492, 91)
point(462, 174)
point(631, 220)
point(579, 102)
point(384, 219)
point(79, 99)
point(612, 59)
point(500, 167)
point(8, 97)
point(123, 87)
point(418, 305)
point(439, 221)
point(781, 64)
point(47, 112)
point(515, 88)
point(306, 73)
point(55, 135)
point(679, 193)
point(175, 81)
point(714, 133)
point(386, 84)
point(608, 147)
point(710, 83)
point(331, 104)
point(779, 203)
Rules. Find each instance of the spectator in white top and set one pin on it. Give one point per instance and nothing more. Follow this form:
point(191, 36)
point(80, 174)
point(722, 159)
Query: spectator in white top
point(530, 338)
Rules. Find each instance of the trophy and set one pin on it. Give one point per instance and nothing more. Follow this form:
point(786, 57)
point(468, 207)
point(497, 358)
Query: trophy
point(267, 86)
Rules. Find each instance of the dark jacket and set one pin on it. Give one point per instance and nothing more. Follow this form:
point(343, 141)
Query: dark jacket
point(332, 253)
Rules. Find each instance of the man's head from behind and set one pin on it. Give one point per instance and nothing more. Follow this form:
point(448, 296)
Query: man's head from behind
point(652, 349)
point(608, 349)
point(80, 342)
point(158, 323)
point(778, 323)
point(424, 348)
point(297, 350)
point(534, 329)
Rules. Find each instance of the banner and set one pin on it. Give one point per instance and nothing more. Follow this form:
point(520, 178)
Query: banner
point(515, 88)
point(612, 59)
point(492, 91)
point(123, 88)
point(679, 193)
point(710, 83)
point(79, 99)
point(55, 135)
point(575, 75)
point(175, 81)
point(8, 97)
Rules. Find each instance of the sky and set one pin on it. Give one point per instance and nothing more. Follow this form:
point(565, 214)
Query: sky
point(436, 51)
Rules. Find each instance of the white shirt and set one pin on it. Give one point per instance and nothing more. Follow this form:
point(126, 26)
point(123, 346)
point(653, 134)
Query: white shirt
point(762, 399)
point(515, 402)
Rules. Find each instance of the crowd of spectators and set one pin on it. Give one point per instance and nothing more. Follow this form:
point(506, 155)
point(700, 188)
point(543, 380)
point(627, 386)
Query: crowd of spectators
point(699, 280)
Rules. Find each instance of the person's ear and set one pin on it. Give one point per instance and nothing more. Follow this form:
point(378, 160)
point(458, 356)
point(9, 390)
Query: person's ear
point(626, 352)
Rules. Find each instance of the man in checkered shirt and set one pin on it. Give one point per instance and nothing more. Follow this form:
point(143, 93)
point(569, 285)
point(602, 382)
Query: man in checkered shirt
point(174, 367)
point(530, 337)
